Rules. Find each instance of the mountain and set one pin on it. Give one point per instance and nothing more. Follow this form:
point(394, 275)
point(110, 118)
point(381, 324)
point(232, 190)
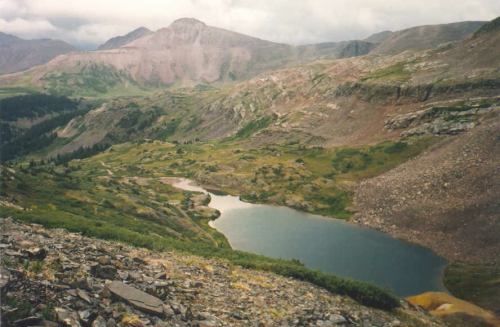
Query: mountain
point(490, 27)
point(334, 50)
point(424, 37)
point(17, 54)
point(379, 37)
point(189, 52)
point(404, 142)
point(119, 41)
point(316, 101)
point(329, 103)
point(186, 53)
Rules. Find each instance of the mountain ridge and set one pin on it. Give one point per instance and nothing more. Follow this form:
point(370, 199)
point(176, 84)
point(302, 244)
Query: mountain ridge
point(426, 36)
point(189, 52)
point(403, 142)
point(119, 41)
point(17, 54)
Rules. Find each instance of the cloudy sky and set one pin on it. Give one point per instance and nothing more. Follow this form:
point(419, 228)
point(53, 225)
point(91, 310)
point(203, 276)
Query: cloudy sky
point(86, 23)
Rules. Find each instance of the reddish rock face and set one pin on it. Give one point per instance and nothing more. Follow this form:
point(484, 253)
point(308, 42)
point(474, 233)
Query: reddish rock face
point(186, 52)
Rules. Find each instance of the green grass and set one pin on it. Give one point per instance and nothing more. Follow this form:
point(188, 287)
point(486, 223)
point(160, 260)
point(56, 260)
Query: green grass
point(489, 27)
point(394, 73)
point(479, 284)
point(93, 80)
point(254, 126)
point(364, 293)
point(84, 198)
point(310, 179)
point(97, 197)
point(7, 92)
point(370, 161)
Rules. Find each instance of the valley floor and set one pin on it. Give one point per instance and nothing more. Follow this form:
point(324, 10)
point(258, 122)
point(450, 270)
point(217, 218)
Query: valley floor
point(120, 194)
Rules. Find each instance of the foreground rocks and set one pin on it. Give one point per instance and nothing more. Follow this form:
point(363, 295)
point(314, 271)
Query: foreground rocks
point(87, 282)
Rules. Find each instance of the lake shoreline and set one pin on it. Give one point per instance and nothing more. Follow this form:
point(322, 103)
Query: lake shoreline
point(358, 223)
point(435, 274)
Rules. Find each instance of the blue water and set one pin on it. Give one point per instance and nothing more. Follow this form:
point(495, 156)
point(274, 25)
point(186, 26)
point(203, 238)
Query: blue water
point(327, 244)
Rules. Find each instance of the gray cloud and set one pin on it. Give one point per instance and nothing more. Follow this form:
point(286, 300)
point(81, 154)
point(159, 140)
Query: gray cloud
point(87, 23)
point(69, 23)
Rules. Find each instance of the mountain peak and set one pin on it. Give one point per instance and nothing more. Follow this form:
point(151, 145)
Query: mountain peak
point(141, 29)
point(187, 21)
point(122, 40)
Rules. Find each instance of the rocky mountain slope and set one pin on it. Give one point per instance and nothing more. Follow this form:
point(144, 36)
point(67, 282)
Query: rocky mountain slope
point(378, 37)
point(189, 52)
point(423, 37)
point(406, 142)
point(122, 40)
point(327, 103)
point(445, 199)
point(330, 50)
point(17, 54)
point(53, 277)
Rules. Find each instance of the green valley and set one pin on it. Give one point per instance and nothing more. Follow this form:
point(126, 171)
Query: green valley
point(397, 135)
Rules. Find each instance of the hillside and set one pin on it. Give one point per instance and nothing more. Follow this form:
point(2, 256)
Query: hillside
point(333, 50)
point(189, 52)
point(444, 199)
point(424, 37)
point(122, 40)
point(405, 142)
point(104, 283)
point(379, 37)
point(17, 54)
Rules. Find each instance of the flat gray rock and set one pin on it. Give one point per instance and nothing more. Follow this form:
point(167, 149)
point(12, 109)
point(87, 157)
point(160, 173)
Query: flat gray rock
point(5, 278)
point(137, 298)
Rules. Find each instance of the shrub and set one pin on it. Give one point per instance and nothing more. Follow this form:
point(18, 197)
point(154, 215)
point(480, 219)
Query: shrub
point(396, 147)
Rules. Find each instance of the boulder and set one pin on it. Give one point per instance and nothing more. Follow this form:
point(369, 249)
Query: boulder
point(104, 272)
point(83, 295)
point(29, 321)
point(104, 260)
point(36, 253)
point(67, 318)
point(99, 322)
point(5, 278)
point(137, 298)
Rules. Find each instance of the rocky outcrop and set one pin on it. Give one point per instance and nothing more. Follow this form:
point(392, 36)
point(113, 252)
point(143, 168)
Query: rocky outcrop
point(402, 94)
point(443, 119)
point(160, 289)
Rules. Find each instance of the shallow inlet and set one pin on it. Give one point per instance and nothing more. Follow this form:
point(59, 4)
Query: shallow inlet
point(327, 244)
